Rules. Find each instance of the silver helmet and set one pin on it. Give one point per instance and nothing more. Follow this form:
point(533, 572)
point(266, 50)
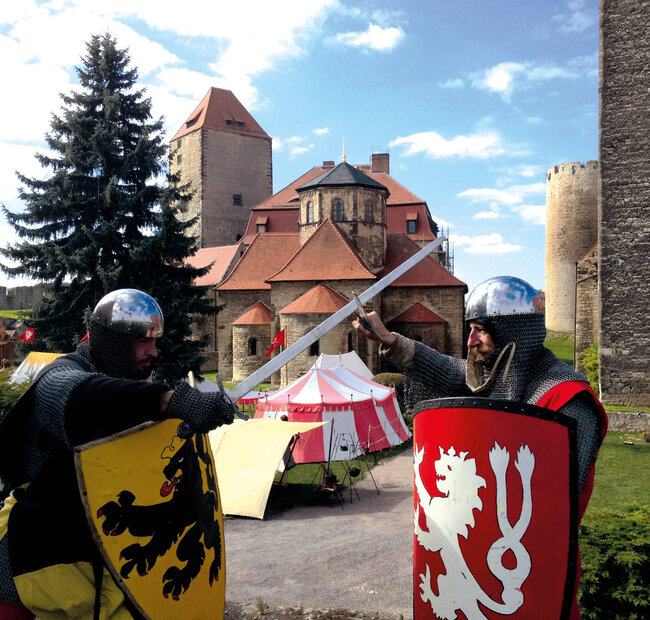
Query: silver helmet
point(131, 312)
point(502, 296)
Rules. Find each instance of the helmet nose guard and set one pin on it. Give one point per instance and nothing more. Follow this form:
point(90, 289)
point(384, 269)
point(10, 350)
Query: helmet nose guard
point(131, 312)
point(502, 296)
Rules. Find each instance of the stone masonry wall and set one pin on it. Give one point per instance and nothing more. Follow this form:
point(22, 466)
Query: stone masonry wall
point(624, 226)
point(587, 319)
point(236, 303)
point(20, 297)
point(244, 361)
point(223, 168)
point(571, 229)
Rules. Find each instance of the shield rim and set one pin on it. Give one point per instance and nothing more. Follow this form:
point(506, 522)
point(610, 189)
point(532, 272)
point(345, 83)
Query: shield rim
point(510, 406)
point(130, 600)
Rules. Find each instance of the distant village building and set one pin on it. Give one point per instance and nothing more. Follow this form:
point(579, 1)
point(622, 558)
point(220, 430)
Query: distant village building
point(305, 250)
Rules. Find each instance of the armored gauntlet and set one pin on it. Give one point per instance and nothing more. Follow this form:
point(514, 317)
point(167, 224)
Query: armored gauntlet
point(203, 411)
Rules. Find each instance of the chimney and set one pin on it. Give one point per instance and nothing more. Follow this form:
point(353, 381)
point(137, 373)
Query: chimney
point(381, 162)
point(328, 164)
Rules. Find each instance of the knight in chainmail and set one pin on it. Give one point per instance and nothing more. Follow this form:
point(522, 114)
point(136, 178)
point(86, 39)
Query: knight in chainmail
point(97, 391)
point(507, 314)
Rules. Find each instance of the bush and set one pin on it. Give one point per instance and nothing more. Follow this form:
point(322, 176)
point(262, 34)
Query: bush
point(589, 363)
point(615, 549)
point(396, 380)
point(10, 392)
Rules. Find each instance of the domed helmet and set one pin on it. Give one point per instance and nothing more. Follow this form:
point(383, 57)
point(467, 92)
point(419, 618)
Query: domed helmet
point(502, 296)
point(119, 319)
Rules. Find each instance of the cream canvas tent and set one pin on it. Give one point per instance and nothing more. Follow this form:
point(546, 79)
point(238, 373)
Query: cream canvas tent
point(246, 457)
point(365, 415)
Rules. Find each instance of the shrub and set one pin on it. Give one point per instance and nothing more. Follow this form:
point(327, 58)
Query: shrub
point(615, 549)
point(589, 363)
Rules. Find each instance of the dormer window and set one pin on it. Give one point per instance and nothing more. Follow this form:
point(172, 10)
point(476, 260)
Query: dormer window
point(261, 224)
point(337, 210)
point(411, 223)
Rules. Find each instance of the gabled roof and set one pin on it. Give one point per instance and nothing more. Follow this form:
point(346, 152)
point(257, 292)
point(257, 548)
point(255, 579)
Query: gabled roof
point(264, 256)
point(258, 314)
point(418, 313)
point(221, 110)
point(320, 299)
point(326, 255)
point(223, 259)
point(428, 272)
point(342, 175)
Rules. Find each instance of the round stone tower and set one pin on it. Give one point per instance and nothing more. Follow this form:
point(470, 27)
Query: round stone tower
point(571, 230)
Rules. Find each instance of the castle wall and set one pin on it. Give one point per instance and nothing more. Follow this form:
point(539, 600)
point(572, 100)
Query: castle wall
point(624, 227)
point(571, 229)
point(20, 297)
point(587, 318)
point(224, 169)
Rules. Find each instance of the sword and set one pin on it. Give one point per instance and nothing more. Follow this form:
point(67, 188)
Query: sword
point(329, 323)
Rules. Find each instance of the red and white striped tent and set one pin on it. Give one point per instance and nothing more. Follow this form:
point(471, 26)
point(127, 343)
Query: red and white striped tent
point(364, 414)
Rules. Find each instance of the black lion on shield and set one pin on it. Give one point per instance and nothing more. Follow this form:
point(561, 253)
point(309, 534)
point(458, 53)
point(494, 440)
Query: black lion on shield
point(189, 507)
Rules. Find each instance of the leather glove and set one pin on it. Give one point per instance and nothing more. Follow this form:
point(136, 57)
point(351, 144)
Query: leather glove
point(203, 411)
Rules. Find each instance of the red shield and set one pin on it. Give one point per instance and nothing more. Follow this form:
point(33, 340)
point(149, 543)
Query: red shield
point(495, 510)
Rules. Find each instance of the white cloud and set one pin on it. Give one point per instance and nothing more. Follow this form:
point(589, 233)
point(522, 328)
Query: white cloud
point(484, 244)
point(433, 145)
point(532, 214)
point(577, 19)
point(375, 38)
point(453, 83)
point(487, 215)
point(512, 196)
point(294, 151)
point(321, 131)
point(524, 170)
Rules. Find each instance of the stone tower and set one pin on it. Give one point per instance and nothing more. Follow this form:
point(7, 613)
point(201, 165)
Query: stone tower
point(571, 229)
point(356, 202)
point(624, 228)
point(226, 157)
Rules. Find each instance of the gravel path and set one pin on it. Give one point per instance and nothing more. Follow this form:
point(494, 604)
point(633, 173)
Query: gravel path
point(326, 562)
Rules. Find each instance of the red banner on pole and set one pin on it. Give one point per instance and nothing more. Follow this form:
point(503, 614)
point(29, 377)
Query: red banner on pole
point(28, 336)
point(276, 342)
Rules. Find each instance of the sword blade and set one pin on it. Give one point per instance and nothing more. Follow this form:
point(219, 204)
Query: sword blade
point(329, 323)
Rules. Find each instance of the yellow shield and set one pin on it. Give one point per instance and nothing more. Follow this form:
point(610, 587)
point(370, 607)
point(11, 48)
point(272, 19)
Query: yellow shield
point(153, 504)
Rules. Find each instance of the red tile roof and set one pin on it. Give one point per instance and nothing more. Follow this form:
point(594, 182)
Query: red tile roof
point(278, 221)
point(397, 215)
point(427, 272)
point(258, 314)
point(327, 255)
point(264, 256)
point(221, 110)
point(222, 258)
point(418, 313)
point(320, 299)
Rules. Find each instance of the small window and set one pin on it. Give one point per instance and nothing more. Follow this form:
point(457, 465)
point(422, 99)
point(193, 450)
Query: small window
point(350, 347)
point(178, 143)
point(252, 346)
point(261, 228)
point(417, 338)
point(314, 348)
point(178, 176)
point(229, 123)
point(411, 227)
point(236, 199)
point(310, 212)
point(237, 238)
point(179, 159)
point(337, 210)
point(369, 214)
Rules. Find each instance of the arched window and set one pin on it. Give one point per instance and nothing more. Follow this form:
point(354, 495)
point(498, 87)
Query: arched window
point(252, 346)
point(369, 215)
point(417, 338)
point(314, 348)
point(337, 210)
point(310, 212)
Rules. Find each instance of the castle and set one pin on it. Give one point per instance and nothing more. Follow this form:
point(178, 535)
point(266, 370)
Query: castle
point(300, 254)
point(598, 218)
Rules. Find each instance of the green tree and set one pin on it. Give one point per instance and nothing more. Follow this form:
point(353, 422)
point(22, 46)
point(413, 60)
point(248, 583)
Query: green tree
point(104, 217)
point(589, 363)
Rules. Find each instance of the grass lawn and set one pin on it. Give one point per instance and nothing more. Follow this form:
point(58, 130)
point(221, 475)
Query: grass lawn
point(561, 343)
point(15, 314)
point(621, 472)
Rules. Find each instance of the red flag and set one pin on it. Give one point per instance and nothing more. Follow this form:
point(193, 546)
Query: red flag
point(28, 336)
point(276, 342)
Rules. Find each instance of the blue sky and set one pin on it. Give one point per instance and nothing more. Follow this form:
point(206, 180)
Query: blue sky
point(474, 99)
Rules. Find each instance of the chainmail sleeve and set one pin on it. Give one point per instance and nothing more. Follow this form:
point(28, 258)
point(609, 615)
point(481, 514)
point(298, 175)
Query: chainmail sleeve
point(582, 409)
point(428, 373)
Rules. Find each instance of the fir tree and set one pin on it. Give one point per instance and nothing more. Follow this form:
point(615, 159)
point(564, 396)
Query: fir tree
point(103, 220)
